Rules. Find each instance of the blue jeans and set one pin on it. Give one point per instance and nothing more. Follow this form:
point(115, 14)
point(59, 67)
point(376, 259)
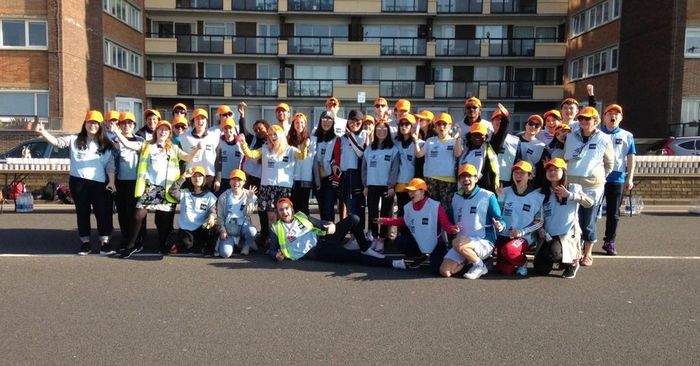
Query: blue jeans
point(327, 196)
point(407, 245)
point(587, 219)
point(246, 231)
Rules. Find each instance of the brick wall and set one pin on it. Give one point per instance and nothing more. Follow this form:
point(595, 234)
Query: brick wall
point(24, 7)
point(24, 69)
point(691, 77)
point(672, 187)
point(10, 139)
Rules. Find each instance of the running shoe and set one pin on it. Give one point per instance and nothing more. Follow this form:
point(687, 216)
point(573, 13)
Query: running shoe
point(570, 270)
point(476, 271)
point(85, 249)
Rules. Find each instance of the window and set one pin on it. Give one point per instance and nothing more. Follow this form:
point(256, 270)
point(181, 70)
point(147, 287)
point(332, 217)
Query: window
point(163, 71)
point(121, 58)
point(371, 74)
point(132, 105)
point(124, 11)
point(337, 31)
point(25, 34)
point(217, 71)
point(594, 64)
point(24, 103)
point(692, 42)
point(595, 16)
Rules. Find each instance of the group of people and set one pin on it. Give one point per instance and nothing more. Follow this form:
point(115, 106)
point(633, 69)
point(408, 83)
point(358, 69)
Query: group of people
point(464, 192)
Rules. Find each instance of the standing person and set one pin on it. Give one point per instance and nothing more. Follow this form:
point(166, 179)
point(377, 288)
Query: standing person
point(556, 146)
point(426, 220)
point(589, 154)
point(380, 168)
point(472, 115)
point(297, 236)
point(253, 170)
point(522, 211)
point(180, 126)
point(552, 120)
point(408, 146)
point(347, 157)
point(368, 125)
point(333, 107)
point(152, 117)
point(441, 153)
point(303, 169)
point(509, 147)
point(562, 233)
point(476, 211)
point(620, 180)
point(282, 113)
point(233, 209)
point(229, 156)
point(197, 221)
point(277, 176)
point(111, 119)
point(402, 108)
point(426, 129)
point(91, 177)
point(126, 180)
point(156, 171)
point(381, 109)
point(325, 182)
point(199, 135)
point(570, 108)
point(223, 113)
point(533, 150)
point(180, 109)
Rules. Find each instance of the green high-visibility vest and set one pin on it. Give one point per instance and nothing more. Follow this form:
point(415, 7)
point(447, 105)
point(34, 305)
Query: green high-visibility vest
point(278, 229)
point(172, 173)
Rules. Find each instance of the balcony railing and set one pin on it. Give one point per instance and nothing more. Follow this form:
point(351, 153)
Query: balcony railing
point(254, 5)
point(198, 43)
point(523, 47)
point(457, 47)
point(494, 89)
point(200, 86)
point(404, 6)
point(301, 45)
point(401, 46)
point(460, 6)
point(309, 88)
point(200, 4)
point(398, 88)
point(513, 6)
point(456, 89)
point(255, 45)
point(310, 5)
point(254, 87)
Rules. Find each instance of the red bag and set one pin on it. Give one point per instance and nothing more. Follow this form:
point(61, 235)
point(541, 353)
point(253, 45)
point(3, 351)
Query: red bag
point(15, 190)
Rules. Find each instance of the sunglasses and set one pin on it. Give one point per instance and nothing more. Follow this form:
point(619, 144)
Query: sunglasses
point(583, 118)
point(180, 127)
point(229, 114)
point(471, 107)
point(441, 124)
point(533, 124)
point(379, 105)
point(180, 111)
point(404, 124)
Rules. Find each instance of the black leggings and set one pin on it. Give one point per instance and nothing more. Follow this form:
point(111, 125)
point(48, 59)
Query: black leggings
point(300, 196)
point(407, 245)
point(126, 206)
point(164, 225)
point(91, 196)
point(375, 194)
point(264, 223)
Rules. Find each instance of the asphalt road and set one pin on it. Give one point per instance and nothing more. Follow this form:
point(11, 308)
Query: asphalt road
point(639, 308)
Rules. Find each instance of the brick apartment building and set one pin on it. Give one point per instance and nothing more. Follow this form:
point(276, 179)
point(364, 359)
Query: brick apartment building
point(62, 58)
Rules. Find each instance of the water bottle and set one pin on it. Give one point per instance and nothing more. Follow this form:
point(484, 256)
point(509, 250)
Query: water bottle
point(25, 202)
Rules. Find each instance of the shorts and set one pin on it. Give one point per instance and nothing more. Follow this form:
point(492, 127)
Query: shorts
point(482, 247)
point(269, 195)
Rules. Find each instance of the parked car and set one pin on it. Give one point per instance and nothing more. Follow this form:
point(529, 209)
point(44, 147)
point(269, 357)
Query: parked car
point(689, 145)
point(38, 149)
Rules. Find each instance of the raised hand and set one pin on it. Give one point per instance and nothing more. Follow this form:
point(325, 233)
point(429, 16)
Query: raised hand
point(502, 109)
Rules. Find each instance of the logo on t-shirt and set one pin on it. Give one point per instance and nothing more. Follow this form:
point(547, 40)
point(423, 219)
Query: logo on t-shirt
point(387, 157)
point(618, 141)
point(592, 146)
point(424, 221)
point(472, 210)
point(526, 207)
point(285, 159)
point(203, 206)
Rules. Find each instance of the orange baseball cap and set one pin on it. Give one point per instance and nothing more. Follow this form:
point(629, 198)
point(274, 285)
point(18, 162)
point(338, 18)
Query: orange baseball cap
point(198, 169)
point(473, 100)
point(381, 121)
point(151, 112)
point(613, 107)
point(284, 200)
point(588, 112)
point(522, 165)
point(479, 128)
point(165, 123)
point(445, 117)
point(408, 118)
point(299, 116)
point(237, 173)
point(112, 115)
point(368, 118)
point(332, 101)
point(563, 126)
point(569, 101)
point(284, 106)
point(127, 116)
point(277, 128)
point(180, 120)
point(425, 114)
point(553, 113)
point(496, 114)
point(416, 184)
point(403, 105)
point(557, 162)
point(228, 122)
point(380, 100)
point(468, 169)
point(536, 118)
point(94, 116)
point(180, 106)
point(223, 109)
point(199, 112)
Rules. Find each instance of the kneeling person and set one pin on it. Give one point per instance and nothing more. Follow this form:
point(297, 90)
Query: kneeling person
point(297, 236)
point(234, 208)
point(474, 209)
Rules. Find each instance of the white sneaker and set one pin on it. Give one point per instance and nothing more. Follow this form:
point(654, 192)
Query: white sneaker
point(476, 271)
point(369, 236)
point(378, 245)
point(352, 245)
point(370, 252)
point(246, 249)
point(398, 264)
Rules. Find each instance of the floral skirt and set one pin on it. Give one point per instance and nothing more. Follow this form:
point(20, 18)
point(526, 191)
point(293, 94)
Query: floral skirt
point(269, 195)
point(153, 199)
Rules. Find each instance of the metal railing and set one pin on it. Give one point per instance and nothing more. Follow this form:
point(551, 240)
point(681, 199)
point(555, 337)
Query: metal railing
point(254, 5)
point(200, 4)
point(199, 43)
point(404, 6)
point(513, 6)
point(456, 89)
point(400, 46)
point(460, 6)
point(398, 88)
point(254, 87)
point(494, 89)
point(310, 5)
point(200, 86)
point(309, 87)
point(684, 129)
point(457, 47)
point(255, 45)
point(522, 47)
point(303, 45)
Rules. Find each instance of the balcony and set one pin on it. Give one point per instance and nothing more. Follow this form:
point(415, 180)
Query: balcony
point(460, 6)
point(357, 6)
point(213, 87)
point(512, 89)
point(404, 6)
point(200, 4)
point(499, 90)
point(515, 47)
point(401, 46)
point(254, 5)
point(160, 45)
point(354, 49)
point(310, 5)
point(513, 6)
point(254, 88)
point(257, 45)
point(447, 47)
point(398, 88)
point(196, 43)
point(456, 89)
point(161, 87)
point(310, 45)
point(309, 88)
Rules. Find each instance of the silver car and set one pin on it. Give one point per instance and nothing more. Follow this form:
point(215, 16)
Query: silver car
point(689, 145)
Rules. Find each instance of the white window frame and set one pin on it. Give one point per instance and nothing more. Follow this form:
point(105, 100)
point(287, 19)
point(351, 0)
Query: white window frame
point(36, 98)
point(131, 107)
point(588, 62)
point(133, 16)
point(26, 35)
point(590, 18)
point(695, 30)
point(113, 52)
